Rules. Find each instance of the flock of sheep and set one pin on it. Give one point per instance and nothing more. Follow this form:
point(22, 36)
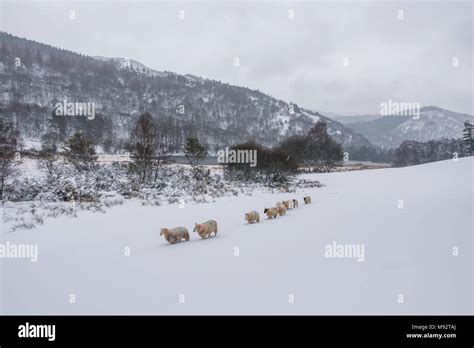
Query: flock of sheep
point(206, 229)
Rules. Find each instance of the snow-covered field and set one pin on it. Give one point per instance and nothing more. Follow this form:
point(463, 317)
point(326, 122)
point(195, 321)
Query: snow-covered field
point(408, 220)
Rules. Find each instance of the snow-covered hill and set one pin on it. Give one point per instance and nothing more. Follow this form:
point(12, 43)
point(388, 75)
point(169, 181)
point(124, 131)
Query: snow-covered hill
point(127, 63)
point(346, 120)
point(433, 123)
point(408, 220)
point(217, 113)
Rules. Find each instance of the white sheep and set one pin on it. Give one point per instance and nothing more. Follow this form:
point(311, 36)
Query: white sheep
point(206, 228)
point(252, 216)
point(288, 204)
point(271, 212)
point(280, 206)
point(174, 235)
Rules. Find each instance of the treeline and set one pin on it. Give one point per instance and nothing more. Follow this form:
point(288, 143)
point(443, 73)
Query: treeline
point(370, 153)
point(23, 53)
point(315, 150)
point(150, 145)
point(149, 148)
point(411, 152)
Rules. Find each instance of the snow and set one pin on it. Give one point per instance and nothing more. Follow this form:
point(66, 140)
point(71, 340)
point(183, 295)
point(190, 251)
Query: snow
point(31, 144)
point(313, 117)
point(407, 251)
point(109, 158)
point(285, 119)
point(28, 168)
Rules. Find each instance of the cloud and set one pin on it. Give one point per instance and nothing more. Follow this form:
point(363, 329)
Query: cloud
point(299, 60)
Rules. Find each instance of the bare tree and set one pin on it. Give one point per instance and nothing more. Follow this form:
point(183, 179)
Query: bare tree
point(48, 155)
point(322, 151)
point(162, 154)
point(8, 153)
point(143, 147)
point(150, 146)
point(163, 143)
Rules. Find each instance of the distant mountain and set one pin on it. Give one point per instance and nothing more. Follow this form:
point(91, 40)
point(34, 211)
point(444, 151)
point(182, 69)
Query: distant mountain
point(217, 113)
point(433, 123)
point(356, 118)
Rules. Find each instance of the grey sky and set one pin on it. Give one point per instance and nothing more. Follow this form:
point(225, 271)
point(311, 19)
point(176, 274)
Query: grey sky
point(299, 60)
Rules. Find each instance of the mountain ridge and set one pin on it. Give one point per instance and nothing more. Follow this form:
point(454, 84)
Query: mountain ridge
point(433, 123)
point(218, 113)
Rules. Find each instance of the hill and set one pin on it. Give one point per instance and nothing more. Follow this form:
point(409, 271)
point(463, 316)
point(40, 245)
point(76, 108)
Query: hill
point(433, 123)
point(36, 76)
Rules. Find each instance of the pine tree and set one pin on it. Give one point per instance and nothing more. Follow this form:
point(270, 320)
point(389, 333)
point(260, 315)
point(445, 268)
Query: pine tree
point(467, 138)
point(80, 151)
point(194, 151)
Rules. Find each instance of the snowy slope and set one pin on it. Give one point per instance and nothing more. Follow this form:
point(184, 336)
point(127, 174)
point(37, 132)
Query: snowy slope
point(433, 123)
point(219, 114)
point(407, 251)
point(126, 63)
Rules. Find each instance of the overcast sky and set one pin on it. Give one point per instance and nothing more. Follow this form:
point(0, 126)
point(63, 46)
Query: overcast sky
point(299, 60)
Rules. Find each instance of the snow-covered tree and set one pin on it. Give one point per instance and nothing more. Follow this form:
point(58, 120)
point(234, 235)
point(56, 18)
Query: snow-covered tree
point(142, 147)
point(194, 151)
point(322, 151)
point(468, 139)
point(80, 151)
point(48, 155)
point(8, 153)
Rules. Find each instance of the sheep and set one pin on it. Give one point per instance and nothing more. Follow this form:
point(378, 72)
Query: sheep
point(174, 235)
point(307, 200)
point(271, 212)
point(288, 204)
point(295, 203)
point(252, 216)
point(281, 208)
point(206, 229)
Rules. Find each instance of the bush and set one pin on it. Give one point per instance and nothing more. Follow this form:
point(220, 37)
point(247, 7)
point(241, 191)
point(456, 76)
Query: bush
point(274, 166)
